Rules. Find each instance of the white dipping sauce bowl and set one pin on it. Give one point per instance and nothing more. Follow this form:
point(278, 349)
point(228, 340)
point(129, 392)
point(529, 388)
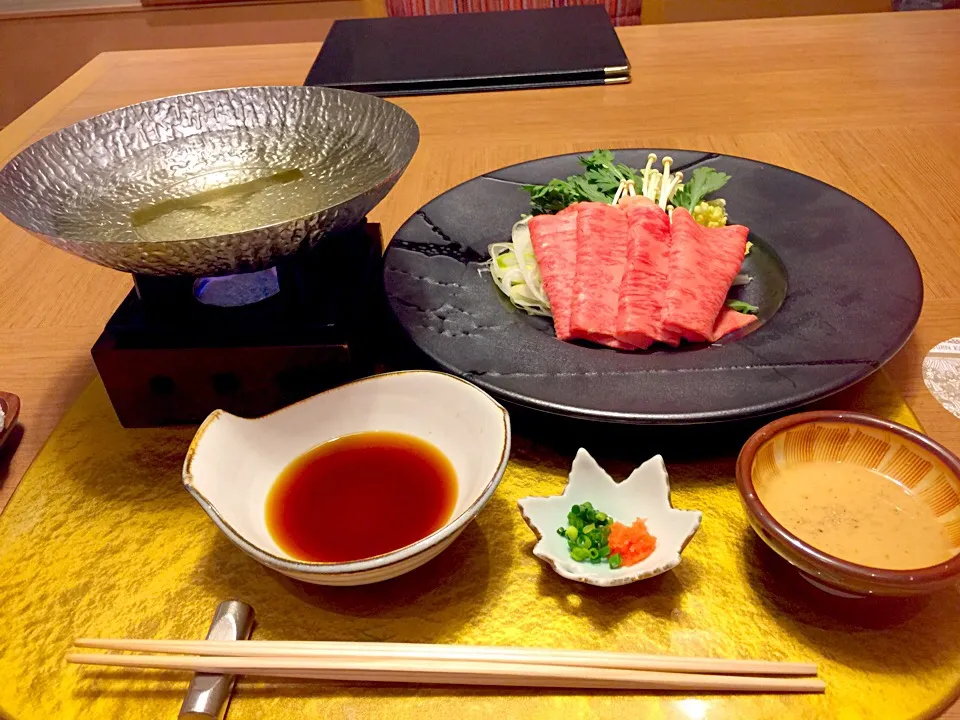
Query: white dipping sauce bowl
point(233, 462)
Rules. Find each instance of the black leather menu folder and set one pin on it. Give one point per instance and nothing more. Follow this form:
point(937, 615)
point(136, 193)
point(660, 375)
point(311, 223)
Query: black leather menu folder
point(473, 51)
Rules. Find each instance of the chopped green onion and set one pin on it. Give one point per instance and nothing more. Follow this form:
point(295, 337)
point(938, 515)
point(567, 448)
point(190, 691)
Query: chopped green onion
point(615, 561)
point(586, 533)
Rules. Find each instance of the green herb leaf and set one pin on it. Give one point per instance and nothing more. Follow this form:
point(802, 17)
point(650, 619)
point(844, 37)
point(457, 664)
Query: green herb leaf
point(597, 158)
point(598, 183)
point(550, 198)
point(588, 191)
point(742, 307)
point(702, 182)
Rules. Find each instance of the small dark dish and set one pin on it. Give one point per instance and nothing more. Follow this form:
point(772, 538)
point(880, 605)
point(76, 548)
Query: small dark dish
point(10, 405)
point(915, 461)
point(838, 289)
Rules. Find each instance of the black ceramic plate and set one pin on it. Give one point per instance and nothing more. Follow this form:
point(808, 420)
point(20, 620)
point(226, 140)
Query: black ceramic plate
point(838, 289)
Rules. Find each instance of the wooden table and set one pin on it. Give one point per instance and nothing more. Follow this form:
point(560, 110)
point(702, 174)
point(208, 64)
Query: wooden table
point(868, 103)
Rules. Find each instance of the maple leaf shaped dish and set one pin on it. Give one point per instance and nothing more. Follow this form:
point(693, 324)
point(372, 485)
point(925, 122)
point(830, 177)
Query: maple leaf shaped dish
point(644, 494)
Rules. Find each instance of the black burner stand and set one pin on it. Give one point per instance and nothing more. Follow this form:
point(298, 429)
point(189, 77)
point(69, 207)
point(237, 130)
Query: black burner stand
point(165, 358)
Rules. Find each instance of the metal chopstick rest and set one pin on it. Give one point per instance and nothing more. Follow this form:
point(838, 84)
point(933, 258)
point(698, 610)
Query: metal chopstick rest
point(209, 694)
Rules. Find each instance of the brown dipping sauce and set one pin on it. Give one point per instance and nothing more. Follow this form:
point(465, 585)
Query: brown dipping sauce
point(857, 514)
point(360, 496)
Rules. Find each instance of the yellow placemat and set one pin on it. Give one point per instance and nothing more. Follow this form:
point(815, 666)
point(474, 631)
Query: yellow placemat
point(101, 540)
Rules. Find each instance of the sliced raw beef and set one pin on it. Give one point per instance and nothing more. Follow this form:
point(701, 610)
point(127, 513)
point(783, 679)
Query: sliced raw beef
point(728, 321)
point(644, 283)
point(554, 239)
point(601, 258)
point(702, 264)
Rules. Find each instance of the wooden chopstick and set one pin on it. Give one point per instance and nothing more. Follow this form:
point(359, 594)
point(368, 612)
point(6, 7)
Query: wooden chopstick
point(458, 672)
point(473, 653)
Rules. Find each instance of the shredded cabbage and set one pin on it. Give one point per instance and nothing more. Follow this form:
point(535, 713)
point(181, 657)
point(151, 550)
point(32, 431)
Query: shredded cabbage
point(515, 271)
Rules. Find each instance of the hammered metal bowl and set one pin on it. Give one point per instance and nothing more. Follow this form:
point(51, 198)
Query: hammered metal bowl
point(298, 163)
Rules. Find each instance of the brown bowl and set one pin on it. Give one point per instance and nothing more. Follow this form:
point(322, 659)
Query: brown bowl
point(926, 468)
